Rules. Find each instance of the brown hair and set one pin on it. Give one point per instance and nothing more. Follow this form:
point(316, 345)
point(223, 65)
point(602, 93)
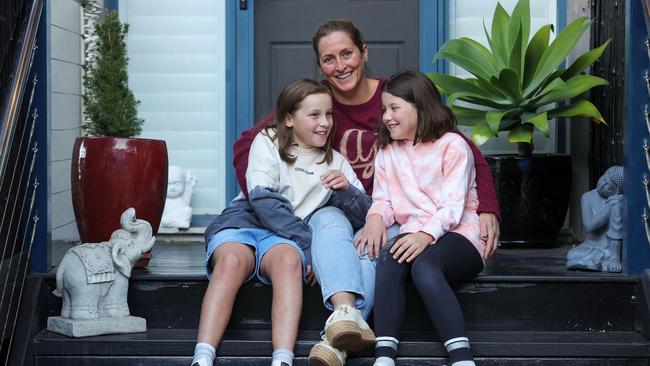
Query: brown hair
point(288, 102)
point(338, 25)
point(434, 117)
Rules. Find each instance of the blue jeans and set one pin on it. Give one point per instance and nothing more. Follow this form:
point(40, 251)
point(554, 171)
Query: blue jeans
point(260, 240)
point(337, 263)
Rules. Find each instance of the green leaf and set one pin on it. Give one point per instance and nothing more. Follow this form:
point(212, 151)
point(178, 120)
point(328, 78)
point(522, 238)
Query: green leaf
point(452, 84)
point(488, 87)
point(558, 50)
point(499, 44)
point(481, 133)
point(494, 118)
point(581, 108)
point(466, 55)
point(518, 33)
point(508, 83)
point(521, 133)
point(476, 99)
point(556, 84)
point(584, 61)
point(538, 44)
point(573, 87)
point(515, 61)
point(467, 116)
point(499, 62)
point(540, 121)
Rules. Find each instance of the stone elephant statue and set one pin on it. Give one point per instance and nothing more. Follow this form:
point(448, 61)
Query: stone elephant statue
point(93, 279)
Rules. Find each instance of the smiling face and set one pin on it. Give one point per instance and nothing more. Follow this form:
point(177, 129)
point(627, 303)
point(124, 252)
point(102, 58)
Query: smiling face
point(399, 116)
point(312, 122)
point(341, 61)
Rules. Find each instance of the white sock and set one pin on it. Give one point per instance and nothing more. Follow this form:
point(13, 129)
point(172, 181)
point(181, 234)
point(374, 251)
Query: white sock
point(384, 361)
point(204, 354)
point(282, 355)
point(463, 363)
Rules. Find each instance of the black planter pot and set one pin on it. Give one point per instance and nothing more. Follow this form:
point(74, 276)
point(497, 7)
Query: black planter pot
point(533, 192)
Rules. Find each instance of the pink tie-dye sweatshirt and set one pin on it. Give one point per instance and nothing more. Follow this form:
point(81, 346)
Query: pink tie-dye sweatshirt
point(429, 187)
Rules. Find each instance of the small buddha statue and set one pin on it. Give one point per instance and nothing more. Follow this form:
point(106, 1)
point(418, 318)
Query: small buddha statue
point(602, 216)
point(178, 212)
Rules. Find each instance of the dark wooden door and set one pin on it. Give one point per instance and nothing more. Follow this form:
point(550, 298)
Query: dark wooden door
point(284, 28)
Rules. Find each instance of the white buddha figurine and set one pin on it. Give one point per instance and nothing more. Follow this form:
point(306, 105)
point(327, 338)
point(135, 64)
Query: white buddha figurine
point(178, 213)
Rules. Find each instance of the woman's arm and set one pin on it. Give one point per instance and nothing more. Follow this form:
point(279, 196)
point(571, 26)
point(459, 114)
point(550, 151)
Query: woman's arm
point(488, 204)
point(487, 197)
point(241, 149)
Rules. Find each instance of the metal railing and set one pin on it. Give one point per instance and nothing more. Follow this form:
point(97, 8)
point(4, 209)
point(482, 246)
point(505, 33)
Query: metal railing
point(18, 185)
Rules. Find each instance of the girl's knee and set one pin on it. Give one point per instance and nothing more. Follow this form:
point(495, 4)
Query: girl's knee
point(232, 263)
point(387, 267)
point(286, 260)
point(327, 216)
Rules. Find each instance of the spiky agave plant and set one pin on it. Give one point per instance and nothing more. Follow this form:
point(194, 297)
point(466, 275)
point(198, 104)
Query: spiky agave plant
point(516, 83)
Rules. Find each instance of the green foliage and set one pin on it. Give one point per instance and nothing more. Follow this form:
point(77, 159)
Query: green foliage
point(516, 83)
point(109, 104)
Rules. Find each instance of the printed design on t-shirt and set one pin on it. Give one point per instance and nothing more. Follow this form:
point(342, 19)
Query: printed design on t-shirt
point(303, 170)
point(353, 143)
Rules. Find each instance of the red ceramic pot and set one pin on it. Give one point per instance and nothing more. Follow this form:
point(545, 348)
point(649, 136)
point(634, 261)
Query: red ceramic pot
point(111, 174)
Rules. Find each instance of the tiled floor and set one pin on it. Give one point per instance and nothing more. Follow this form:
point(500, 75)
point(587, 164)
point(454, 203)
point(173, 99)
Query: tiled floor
point(184, 258)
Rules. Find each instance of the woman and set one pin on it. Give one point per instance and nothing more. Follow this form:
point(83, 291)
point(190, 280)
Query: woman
point(347, 278)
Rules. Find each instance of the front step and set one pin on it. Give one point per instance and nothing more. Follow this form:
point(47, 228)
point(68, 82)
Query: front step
point(546, 316)
point(253, 347)
point(489, 303)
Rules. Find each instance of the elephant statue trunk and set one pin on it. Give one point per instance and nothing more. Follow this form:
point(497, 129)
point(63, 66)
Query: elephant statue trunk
point(93, 279)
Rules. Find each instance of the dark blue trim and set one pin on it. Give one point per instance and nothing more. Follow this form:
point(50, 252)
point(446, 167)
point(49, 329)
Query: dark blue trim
point(41, 174)
point(562, 10)
point(636, 249)
point(111, 5)
point(434, 31)
point(240, 100)
point(231, 91)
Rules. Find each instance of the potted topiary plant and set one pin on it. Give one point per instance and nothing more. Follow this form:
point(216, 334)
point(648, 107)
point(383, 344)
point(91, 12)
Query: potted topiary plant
point(517, 86)
point(111, 170)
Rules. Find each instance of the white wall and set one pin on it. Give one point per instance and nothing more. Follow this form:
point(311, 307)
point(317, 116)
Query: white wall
point(466, 18)
point(65, 110)
point(177, 68)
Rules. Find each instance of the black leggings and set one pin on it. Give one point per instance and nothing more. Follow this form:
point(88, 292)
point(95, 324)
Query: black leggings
point(450, 260)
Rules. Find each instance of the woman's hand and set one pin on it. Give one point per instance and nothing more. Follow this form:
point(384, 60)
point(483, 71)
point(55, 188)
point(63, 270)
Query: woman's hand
point(373, 236)
point(311, 278)
point(335, 179)
point(489, 232)
point(408, 247)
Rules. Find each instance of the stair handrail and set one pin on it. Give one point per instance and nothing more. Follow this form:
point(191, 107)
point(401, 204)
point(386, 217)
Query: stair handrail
point(14, 97)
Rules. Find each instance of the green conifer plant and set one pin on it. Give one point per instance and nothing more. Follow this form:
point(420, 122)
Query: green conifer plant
point(110, 107)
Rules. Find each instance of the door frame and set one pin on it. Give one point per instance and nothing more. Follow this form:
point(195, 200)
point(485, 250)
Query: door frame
point(240, 19)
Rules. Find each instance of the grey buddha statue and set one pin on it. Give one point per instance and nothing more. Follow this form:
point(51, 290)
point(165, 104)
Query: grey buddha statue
point(602, 216)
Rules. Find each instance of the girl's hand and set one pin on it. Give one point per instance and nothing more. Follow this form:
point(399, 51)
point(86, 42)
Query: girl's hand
point(335, 179)
point(373, 236)
point(408, 247)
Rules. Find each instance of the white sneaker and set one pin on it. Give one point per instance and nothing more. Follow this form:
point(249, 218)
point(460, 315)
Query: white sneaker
point(323, 354)
point(201, 362)
point(347, 330)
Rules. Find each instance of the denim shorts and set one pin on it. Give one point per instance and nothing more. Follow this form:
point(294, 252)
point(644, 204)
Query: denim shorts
point(260, 240)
